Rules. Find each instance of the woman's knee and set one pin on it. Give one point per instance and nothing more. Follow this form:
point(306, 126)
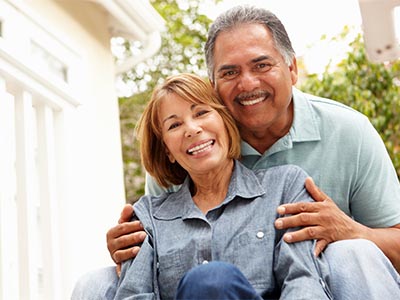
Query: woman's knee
point(97, 284)
point(349, 257)
point(215, 280)
point(356, 248)
point(211, 274)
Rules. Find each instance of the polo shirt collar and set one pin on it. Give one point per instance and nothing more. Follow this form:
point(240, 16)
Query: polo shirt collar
point(244, 183)
point(305, 124)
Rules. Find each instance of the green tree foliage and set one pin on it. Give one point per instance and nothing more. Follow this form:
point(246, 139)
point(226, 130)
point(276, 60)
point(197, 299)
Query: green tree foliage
point(371, 88)
point(181, 51)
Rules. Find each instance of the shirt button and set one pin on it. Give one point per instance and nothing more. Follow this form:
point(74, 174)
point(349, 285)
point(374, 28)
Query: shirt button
point(205, 262)
point(260, 235)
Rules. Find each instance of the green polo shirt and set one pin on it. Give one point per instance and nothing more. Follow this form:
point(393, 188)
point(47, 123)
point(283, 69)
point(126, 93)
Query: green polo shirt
point(344, 154)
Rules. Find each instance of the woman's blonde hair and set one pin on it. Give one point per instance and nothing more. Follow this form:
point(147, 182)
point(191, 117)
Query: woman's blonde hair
point(193, 89)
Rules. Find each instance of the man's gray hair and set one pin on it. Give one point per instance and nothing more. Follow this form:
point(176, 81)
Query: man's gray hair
point(244, 14)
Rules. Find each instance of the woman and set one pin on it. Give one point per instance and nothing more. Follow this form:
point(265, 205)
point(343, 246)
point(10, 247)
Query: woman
point(223, 213)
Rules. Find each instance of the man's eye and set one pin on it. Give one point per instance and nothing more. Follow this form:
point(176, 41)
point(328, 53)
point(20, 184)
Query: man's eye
point(263, 67)
point(229, 74)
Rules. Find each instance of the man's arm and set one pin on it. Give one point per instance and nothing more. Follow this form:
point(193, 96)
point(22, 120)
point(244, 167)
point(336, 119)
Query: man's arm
point(124, 238)
point(324, 221)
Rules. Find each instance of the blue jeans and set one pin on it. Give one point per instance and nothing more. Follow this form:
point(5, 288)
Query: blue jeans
point(213, 281)
point(99, 284)
point(357, 269)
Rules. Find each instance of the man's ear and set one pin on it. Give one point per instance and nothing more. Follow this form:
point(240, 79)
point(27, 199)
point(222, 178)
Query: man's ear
point(293, 71)
point(212, 83)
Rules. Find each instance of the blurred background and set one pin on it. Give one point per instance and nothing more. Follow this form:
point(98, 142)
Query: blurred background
point(74, 78)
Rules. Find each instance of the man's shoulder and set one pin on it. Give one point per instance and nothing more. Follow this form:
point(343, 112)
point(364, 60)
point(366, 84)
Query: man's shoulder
point(332, 113)
point(330, 105)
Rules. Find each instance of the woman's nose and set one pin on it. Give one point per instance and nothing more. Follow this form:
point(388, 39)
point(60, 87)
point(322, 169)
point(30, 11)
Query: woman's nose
point(192, 129)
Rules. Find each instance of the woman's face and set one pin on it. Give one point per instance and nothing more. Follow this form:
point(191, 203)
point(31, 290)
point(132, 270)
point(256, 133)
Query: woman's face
point(194, 134)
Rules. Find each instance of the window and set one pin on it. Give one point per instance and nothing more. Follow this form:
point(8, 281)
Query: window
point(48, 62)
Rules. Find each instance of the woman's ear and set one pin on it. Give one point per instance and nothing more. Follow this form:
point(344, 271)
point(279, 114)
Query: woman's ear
point(170, 156)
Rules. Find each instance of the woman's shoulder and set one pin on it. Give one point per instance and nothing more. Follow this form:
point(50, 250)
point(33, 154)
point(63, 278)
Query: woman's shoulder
point(288, 170)
point(151, 201)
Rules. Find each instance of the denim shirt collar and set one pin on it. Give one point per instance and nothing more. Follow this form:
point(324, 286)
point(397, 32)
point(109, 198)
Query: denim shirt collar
point(244, 183)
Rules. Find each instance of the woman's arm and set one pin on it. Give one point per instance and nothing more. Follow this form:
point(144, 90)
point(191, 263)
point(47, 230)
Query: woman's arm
point(297, 270)
point(299, 273)
point(136, 280)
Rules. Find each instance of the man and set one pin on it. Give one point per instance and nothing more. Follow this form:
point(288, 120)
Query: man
point(252, 66)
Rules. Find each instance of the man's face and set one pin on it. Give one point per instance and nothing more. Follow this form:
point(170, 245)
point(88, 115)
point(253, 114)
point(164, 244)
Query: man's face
point(253, 79)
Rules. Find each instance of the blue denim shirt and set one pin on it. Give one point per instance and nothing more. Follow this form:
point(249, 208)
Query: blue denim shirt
point(240, 231)
point(356, 172)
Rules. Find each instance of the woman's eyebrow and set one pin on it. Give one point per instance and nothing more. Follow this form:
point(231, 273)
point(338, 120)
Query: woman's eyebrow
point(169, 118)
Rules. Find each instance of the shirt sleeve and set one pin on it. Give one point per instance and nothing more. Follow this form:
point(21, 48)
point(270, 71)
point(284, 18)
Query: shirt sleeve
point(375, 199)
point(138, 275)
point(295, 266)
point(297, 269)
point(136, 281)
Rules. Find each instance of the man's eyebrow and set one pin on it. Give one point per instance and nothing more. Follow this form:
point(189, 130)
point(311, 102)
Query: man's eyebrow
point(260, 58)
point(254, 60)
point(226, 67)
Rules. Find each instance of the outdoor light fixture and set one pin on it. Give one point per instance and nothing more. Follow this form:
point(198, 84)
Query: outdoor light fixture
point(378, 21)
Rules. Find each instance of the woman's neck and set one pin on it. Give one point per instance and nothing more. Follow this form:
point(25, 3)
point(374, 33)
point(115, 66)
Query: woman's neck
point(210, 189)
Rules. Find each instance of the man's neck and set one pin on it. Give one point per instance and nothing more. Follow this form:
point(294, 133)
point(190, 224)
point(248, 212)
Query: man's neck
point(261, 142)
point(263, 138)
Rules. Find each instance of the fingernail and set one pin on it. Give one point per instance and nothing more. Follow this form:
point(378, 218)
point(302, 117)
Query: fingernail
point(281, 210)
point(288, 237)
point(278, 224)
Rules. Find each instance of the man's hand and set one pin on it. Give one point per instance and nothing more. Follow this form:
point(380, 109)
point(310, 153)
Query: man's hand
point(122, 239)
point(322, 220)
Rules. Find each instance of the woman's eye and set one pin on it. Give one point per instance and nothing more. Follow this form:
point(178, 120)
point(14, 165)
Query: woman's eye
point(201, 113)
point(173, 125)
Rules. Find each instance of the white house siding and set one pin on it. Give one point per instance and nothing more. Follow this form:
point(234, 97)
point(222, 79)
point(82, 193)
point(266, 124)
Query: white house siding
point(61, 171)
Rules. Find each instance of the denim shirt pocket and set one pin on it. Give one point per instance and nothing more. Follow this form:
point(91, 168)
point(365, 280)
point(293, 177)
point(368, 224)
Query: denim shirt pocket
point(254, 256)
point(171, 268)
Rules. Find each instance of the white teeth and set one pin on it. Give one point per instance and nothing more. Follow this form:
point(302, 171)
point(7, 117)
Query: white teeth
point(200, 148)
point(251, 102)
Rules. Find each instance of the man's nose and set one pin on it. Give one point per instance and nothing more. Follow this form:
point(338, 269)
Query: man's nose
point(248, 81)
